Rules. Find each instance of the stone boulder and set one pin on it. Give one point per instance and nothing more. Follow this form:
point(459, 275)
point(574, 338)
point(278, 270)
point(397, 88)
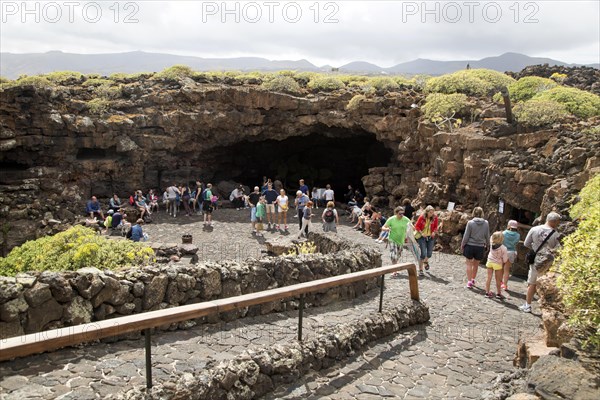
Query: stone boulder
point(553, 377)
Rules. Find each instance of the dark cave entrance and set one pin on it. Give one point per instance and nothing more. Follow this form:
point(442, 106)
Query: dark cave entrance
point(316, 158)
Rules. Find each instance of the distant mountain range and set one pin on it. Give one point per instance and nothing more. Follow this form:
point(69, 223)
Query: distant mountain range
point(12, 65)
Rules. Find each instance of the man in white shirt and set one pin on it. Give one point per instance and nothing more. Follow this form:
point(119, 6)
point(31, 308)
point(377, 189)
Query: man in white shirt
point(544, 254)
point(328, 195)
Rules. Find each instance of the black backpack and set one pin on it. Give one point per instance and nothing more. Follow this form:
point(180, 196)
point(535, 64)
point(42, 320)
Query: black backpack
point(128, 235)
point(329, 215)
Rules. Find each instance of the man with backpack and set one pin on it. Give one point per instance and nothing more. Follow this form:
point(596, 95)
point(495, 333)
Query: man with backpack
point(330, 218)
point(542, 240)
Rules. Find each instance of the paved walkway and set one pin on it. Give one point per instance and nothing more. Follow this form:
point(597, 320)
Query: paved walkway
point(469, 340)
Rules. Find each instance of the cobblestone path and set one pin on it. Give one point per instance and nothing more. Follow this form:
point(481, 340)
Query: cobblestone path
point(469, 340)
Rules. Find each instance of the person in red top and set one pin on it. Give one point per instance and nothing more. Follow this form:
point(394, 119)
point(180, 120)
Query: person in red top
point(426, 230)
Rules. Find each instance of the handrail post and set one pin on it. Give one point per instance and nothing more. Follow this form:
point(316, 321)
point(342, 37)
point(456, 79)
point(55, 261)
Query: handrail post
point(381, 293)
point(413, 282)
point(148, 359)
point(300, 316)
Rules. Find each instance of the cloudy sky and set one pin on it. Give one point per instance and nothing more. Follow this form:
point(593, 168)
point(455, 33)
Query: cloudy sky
point(323, 32)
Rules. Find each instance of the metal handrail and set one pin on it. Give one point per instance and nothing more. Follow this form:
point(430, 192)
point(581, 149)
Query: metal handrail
point(20, 346)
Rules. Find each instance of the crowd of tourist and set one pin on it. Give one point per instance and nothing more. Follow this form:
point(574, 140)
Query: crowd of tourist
point(417, 230)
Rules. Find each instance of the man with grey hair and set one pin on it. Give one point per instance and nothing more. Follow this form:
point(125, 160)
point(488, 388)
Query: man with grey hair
point(543, 240)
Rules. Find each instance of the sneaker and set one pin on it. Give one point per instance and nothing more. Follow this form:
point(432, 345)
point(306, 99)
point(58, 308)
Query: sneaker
point(426, 266)
point(286, 227)
point(277, 227)
point(525, 308)
point(503, 286)
point(489, 295)
point(499, 296)
point(421, 273)
point(470, 284)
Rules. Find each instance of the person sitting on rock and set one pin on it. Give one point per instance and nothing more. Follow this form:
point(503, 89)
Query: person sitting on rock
point(372, 225)
point(115, 202)
point(141, 205)
point(349, 195)
point(93, 209)
point(237, 197)
point(315, 197)
point(366, 212)
point(119, 222)
point(108, 221)
point(153, 200)
point(136, 231)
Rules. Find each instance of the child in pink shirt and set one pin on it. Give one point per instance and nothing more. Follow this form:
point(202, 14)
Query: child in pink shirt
point(497, 258)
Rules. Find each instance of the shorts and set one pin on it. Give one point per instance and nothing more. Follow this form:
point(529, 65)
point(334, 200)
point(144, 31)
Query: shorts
point(494, 266)
point(474, 252)
point(207, 206)
point(395, 250)
point(253, 214)
point(512, 256)
point(532, 275)
point(270, 208)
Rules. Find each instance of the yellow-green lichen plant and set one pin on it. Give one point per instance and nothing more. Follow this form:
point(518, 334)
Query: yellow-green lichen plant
point(579, 279)
point(75, 248)
point(302, 248)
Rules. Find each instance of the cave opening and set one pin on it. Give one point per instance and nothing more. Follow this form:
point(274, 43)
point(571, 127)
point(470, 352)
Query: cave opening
point(319, 159)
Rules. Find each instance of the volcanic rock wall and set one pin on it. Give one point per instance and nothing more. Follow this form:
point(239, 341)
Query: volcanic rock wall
point(56, 150)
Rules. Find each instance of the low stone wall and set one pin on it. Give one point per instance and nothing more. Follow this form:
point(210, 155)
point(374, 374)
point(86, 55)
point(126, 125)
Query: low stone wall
point(49, 300)
point(256, 373)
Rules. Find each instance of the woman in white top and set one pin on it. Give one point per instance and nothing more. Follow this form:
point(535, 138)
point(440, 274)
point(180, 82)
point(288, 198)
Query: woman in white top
point(282, 209)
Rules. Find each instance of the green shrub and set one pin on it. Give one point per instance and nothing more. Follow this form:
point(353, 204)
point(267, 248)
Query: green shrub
point(473, 82)
point(384, 84)
point(439, 106)
point(4, 80)
point(539, 112)
point(578, 102)
point(283, 84)
point(558, 77)
point(37, 81)
point(349, 79)
point(98, 105)
point(579, 279)
point(108, 91)
point(64, 77)
point(529, 86)
point(175, 73)
point(325, 84)
point(72, 249)
point(354, 102)
point(92, 82)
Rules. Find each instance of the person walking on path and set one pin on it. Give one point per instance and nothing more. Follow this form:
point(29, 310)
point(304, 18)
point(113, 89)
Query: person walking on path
point(511, 239)
point(474, 244)
point(301, 201)
point(303, 188)
point(283, 205)
point(260, 214)
point(306, 216)
point(185, 198)
point(543, 241)
point(497, 258)
point(253, 199)
point(330, 218)
point(425, 232)
point(329, 194)
point(398, 225)
point(172, 192)
point(207, 205)
point(270, 200)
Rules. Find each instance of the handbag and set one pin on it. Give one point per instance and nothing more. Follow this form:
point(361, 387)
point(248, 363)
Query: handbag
point(531, 254)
